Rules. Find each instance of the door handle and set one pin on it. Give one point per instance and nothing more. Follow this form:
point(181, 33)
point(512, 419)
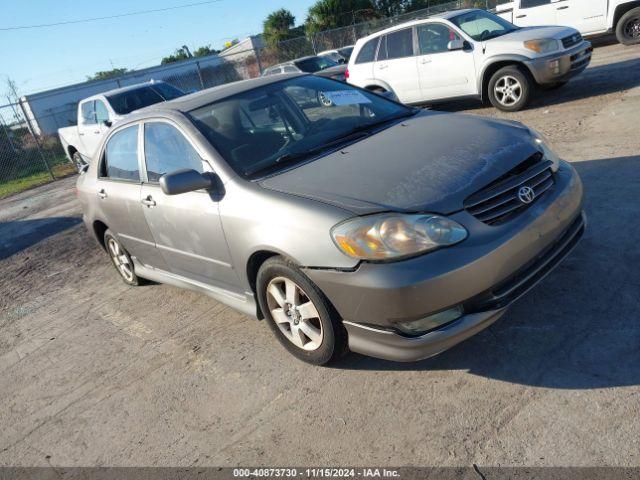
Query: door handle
point(102, 194)
point(149, 201)
point(521, 16)
point(97, 132)
point(81, 134)
point(382, 67)
point(425, 60)
point(563, 8)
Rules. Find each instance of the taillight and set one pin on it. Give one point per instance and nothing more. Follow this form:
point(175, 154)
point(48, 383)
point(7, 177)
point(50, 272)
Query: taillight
point(346, 74)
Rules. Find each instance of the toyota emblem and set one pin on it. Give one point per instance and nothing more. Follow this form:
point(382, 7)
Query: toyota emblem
point(526, 194)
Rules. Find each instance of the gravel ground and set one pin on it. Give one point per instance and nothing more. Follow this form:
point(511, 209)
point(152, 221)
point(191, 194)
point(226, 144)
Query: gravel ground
point(97, 373)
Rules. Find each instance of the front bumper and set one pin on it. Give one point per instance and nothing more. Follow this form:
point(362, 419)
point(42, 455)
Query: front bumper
point(570, 62)
point(493, 267)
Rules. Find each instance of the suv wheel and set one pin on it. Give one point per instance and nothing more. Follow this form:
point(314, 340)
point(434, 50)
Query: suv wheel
point(299, 314)
point(628, 27)
point(510, 89)
point(121, 260)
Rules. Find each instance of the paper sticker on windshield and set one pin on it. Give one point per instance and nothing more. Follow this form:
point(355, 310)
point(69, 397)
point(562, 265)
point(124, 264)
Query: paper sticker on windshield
point(346, 97)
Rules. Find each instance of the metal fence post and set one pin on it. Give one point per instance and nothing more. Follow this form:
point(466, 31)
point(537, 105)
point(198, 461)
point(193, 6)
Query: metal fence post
point(36, 140)
point(257, 53)
point(200, 74)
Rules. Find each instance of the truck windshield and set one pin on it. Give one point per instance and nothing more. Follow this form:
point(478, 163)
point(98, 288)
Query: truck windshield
point(264, 130)
point(315, 64)
point(126, 102)
point(481, 25)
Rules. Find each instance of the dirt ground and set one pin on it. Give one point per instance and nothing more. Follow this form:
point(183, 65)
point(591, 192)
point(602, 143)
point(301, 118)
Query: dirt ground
point(97, 373)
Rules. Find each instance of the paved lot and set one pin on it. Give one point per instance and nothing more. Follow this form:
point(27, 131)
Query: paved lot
point(96, 373)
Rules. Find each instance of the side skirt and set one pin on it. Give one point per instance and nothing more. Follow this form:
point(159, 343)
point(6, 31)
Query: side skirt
point(243, 303)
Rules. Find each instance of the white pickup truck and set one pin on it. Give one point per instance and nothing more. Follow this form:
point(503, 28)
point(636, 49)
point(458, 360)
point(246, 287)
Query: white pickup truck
point(589, 17)
point(96, 114)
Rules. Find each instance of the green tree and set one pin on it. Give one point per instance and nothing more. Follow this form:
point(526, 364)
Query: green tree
point(204, 51)
point(278, 26)
point(328, 14)
point(104, 74)
point(180, 54)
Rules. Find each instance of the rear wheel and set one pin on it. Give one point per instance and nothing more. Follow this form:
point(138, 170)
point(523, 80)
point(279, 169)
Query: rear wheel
point(299, 314)
point(78, 161)
point(628, 27)
point(510, 89)
point(121, 260)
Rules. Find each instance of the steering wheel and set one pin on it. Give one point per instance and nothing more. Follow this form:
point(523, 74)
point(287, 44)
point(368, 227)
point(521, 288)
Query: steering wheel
point(485, 34)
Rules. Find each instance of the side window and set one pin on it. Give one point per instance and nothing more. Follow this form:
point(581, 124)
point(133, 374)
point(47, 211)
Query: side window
point(88, 112)
point(400, 44)
point(166, 150)
point(382, 50)
point(533, 3)
point(435, 38)
point(120, 160)
point(290, 69)
point(102, 114)
point(368, 51)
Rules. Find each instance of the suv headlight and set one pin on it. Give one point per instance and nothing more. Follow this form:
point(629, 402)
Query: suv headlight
point(544, 45)
point(542, 144)
point(395, 235)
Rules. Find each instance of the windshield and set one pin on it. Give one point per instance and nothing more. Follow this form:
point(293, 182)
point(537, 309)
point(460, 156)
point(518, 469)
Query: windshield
point(127, 102)
point(315, 64)
point(260, 131)
point(481, 25)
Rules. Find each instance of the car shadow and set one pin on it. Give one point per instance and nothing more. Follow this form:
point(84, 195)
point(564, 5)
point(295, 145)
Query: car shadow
point(579, 328)
point(594, 81)
point(18, 235)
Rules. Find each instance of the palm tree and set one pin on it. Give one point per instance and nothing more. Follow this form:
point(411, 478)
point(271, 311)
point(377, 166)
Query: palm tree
point(328, 14)
point(278, 25)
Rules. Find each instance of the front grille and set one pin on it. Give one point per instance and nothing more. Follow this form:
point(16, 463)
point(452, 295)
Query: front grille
point(499, 201)
point(528, 276)
point(571, 40)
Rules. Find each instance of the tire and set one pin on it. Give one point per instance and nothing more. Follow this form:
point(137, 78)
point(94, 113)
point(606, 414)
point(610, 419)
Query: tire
point(628, 27)
point(299, 314)
point(78, 161)
point(510, 88)
point(121, 260)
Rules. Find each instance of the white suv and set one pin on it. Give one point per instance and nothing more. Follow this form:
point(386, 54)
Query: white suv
point(467, 53)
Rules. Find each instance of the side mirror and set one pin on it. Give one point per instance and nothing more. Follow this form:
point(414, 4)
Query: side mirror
point(183, 181)
point(455, 45)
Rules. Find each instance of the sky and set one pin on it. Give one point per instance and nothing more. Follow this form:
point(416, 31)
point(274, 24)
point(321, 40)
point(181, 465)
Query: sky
point(42, 58)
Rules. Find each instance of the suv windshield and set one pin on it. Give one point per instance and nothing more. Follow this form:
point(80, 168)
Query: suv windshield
point(262, 131)
point(127, 102)
point(315, 64)
point(481, 25)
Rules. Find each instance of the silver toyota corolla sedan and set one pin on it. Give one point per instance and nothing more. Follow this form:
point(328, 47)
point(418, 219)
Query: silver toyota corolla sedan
point(346, 220)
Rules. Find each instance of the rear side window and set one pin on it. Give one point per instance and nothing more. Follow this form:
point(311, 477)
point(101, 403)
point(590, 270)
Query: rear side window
point(400, 44)
point(533, 3)
point(166, 150)
point(120, 160)
point(368, 51)
point(88, 112)
point(127, 102)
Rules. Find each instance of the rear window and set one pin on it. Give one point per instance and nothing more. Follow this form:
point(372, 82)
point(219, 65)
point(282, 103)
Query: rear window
point(368, 51)
point(127, 102)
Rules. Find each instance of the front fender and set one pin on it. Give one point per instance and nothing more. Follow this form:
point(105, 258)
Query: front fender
point(507, 58)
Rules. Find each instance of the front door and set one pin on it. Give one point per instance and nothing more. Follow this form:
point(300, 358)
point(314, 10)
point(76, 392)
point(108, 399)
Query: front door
point(443, 73)
point(88, 129)
point(535, 13)
point(396, 65)
point(118, 191)
point(186, 228)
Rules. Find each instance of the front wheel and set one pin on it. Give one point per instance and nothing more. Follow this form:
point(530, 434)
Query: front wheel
point(628, 27)
point(299, 314)
point(510, 89)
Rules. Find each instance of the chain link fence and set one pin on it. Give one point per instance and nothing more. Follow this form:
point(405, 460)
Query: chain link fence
point(31, 153)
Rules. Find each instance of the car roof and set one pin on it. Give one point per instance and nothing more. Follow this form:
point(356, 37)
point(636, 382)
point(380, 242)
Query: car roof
point(129, 88)
point(445, 16)
point(211, 95)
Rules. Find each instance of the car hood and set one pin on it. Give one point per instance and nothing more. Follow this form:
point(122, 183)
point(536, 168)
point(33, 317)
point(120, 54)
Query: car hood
point(430, 162)
point(535, 33)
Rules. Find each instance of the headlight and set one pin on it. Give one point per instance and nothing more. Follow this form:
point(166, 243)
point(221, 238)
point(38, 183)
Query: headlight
point(542, 144)
point(545, 45)
point(391, 236)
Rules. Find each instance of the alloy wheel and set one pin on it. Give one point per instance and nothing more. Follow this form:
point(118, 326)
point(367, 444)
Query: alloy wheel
point(294, 313)
point(632, 28)
point(120, 259)
point(508, 90)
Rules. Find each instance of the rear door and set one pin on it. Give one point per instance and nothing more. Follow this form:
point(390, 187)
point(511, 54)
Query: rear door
point(535, 12)
point(88, 128)
point(396, 65)
point(585, 16)
point(443, 73)
point(361, 68)
point(186, 228)
point(118, 191)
